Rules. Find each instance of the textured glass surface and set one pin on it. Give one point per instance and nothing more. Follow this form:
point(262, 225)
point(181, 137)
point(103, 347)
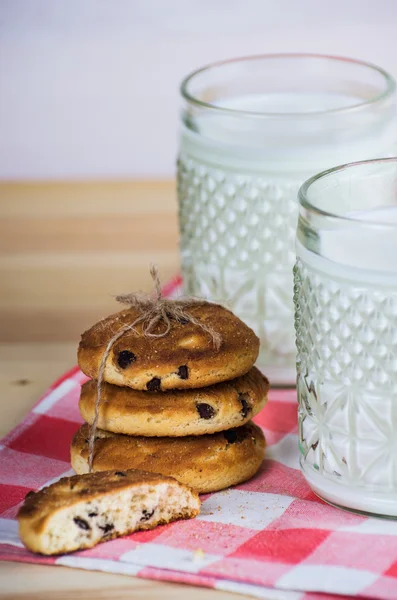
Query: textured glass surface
point(237, 246)
point(347, 379)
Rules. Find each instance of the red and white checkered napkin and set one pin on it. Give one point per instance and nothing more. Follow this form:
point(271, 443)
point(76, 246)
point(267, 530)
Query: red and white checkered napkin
point(270, 537)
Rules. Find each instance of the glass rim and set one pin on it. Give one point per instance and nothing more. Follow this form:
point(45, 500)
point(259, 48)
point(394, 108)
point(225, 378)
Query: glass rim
point(308, 205)
point(192, 99)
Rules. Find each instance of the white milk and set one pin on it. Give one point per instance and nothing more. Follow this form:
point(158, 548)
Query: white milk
point(347, 340)
point(238, 182)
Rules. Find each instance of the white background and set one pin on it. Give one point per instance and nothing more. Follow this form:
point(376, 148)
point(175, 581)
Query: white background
point(89, 88)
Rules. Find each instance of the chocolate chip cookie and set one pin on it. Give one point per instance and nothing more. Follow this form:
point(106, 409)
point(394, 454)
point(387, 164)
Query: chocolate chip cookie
point(206, 463)
point(176, 412)
point(79, 512)
point(185, 358)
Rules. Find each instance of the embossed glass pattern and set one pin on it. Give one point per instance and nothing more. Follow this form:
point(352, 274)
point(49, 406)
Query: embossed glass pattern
point(345, 296)
point(245, 259)
point(252, 130)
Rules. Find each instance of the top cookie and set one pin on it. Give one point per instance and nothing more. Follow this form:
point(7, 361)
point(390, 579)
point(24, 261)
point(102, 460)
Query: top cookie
point(184, 358)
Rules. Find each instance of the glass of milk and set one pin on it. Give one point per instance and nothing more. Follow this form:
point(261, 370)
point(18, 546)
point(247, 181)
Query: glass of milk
point(252, 130)
point(345, 296)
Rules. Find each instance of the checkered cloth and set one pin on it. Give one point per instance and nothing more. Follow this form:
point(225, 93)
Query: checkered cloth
point(270, 537)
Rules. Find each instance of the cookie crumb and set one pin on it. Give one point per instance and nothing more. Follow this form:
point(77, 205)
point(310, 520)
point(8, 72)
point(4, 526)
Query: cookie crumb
point(198, 555)
point(22, 381)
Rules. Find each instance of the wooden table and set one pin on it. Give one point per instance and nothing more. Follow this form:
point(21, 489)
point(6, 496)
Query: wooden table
point(64, 250)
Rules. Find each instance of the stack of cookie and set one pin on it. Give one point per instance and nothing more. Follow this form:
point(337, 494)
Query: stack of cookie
point(175, 404)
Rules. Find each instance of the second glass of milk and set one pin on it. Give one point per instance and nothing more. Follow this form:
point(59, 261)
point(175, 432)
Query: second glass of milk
point(252, 130)
point(346, 332)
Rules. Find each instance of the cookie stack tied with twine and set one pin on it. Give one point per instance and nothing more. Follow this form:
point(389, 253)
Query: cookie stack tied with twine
point(173, 390)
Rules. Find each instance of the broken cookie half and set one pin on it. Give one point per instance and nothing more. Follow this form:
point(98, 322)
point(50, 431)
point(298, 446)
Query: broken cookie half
point(81, 511)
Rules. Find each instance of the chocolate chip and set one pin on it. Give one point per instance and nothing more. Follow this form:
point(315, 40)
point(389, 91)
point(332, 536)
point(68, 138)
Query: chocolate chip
point(235, 435)
point(125, 359)
point(245, 407)
point(81, 523)
point(183, 372)
point(106, 528)
point(121, 474)
point(314, 446)
point(93, 514)
point(206, 411)
point(154, 385)
point(146, 515)
point(183, 321)
point(231, 436)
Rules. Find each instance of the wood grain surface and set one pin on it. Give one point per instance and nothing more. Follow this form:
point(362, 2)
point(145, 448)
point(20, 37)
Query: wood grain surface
point(37, 582)
point(67, 248)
